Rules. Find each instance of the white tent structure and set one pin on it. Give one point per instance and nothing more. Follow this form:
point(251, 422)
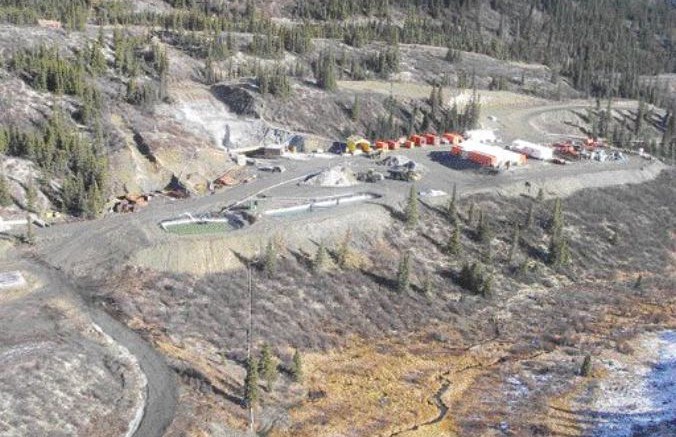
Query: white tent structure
point(482, 135)
point(533, 150)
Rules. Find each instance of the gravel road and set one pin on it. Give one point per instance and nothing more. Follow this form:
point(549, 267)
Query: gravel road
point(162, 393)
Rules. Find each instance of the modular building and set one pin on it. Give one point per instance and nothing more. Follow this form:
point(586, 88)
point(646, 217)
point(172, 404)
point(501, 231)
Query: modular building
point(533, 150)
point(487, 155)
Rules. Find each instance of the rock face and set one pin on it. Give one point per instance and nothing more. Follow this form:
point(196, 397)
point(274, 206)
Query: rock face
point(239, 99)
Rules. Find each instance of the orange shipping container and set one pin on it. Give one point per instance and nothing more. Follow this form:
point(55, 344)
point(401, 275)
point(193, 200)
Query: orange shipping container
point(418, 140)
point(453, 138)
point(380, 145)
point(483, 159)
point(432, 140)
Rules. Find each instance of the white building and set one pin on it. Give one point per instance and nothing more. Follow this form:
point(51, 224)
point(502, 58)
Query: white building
point(533, 150)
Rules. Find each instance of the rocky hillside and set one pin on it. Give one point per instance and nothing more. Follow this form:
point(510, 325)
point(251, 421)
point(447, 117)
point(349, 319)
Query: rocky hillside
point(107, 98)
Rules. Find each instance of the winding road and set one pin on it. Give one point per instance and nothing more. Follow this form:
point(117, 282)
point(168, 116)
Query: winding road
point(161, 390)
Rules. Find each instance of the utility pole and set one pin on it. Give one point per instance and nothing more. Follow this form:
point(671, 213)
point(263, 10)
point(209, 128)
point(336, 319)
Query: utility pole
point(249, 339)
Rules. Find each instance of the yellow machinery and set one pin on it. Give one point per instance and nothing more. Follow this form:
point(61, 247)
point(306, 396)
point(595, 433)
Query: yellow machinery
point(356, 142)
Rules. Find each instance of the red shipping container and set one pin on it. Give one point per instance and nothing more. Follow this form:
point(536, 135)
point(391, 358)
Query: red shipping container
point(431, 140)
point(418, 140)
point(380, 145)
point(482, 159)
point(456, 150)
point(453, 138)
point(392, 145)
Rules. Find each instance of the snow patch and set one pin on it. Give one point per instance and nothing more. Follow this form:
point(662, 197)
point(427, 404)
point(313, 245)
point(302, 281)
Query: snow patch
point(639, 395)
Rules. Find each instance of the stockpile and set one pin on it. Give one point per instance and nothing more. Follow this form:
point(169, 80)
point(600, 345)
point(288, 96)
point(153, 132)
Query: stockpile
point(338, 176)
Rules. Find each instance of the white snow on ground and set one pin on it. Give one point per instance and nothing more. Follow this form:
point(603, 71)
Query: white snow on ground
point(638, 394)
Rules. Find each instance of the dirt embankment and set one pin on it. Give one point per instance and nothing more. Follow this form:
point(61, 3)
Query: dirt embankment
point(208, 254)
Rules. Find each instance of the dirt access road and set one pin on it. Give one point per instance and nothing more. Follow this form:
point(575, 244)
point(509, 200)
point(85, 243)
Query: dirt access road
point(161, 390)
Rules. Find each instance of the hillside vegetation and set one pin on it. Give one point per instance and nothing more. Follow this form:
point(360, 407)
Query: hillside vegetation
point(117, 58)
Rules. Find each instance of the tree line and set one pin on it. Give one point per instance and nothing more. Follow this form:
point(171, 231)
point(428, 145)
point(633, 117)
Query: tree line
point(603, 48)
point(58, 148)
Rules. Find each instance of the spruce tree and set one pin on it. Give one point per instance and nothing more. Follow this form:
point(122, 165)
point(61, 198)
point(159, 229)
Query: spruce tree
point(30, 233)
point(530, 216)
point(586, 368)
point(556, 222)
point(5, 196)
point(559, 253)
point(321, 259)
point(427, 284)
point(297, 367)
point(251, 383)
point(270, 259)
point(483, 230)
point(31, 196)
point(355, 112)
point(344, 250)
point(513, 250)
point(452, 207)
point(404, 273)
point(411, 213)
point(454, 247)
point(268, 367)
point(470, 214)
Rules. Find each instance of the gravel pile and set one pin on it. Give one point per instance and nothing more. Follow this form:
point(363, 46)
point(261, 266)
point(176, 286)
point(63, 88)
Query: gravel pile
point(333, 177)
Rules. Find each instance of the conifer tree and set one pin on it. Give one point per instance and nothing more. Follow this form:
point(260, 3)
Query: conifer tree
point(404, 273)
point(530, 216)
point(297, 366)
point(270, 259)
point(268, 367)
point(31, 196)
point(30, 233)
point(470, 214)
point(586, 368)
point(321, 259)
point(556, 222)
point(483, 230)
point(427, 284)
point(5, 196)
point(344, 250)
point(454, 247)
point(411, 213)
point(452, 207)
point(251, 383)
point(355, 112)
point(513, 250)
point(325, 71)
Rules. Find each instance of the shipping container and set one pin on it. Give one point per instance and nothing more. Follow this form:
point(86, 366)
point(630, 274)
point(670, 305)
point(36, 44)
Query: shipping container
point(483, 159)
point(431, 140)
point(418, 140)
